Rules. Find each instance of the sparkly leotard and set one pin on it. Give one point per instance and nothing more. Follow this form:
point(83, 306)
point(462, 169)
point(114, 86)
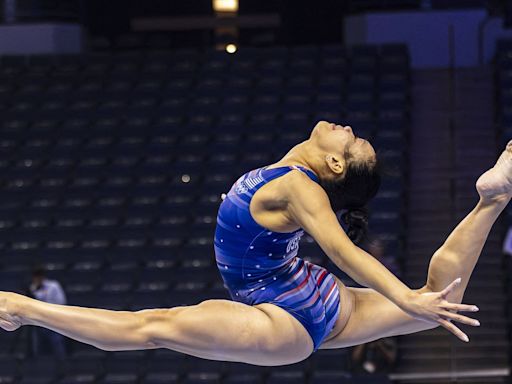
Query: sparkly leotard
point(261, 266)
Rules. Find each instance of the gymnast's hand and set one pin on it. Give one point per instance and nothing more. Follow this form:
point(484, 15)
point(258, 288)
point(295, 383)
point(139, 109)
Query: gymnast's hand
point(433, 307)
point(9, 321)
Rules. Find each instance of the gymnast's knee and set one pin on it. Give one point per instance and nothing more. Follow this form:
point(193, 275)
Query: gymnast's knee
point(442, 271)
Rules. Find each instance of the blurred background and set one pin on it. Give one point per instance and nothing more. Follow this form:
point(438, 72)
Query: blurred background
point(123, 122)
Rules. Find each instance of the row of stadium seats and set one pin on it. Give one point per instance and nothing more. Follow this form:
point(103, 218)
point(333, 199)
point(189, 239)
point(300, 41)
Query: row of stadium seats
point(388, 53)
point(117, 198)
point(325, 367)
point(180, 88)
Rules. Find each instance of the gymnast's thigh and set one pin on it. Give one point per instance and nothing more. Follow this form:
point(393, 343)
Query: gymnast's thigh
point(263, 334)
point(372, 317)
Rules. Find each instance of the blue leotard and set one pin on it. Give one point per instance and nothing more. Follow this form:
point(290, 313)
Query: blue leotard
point(261, 266)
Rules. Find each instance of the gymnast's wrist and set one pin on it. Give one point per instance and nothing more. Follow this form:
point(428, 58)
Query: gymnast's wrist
point(406, 299)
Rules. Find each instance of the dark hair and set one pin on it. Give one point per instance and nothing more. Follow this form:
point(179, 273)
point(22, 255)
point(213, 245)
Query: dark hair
point(356, 188)
point(38, 271)
point(356, 222)
point(352, 192)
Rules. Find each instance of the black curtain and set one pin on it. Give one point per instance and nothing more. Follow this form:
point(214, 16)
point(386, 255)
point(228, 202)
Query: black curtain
point(107, 18)
point(508, 14)
point(310, 22)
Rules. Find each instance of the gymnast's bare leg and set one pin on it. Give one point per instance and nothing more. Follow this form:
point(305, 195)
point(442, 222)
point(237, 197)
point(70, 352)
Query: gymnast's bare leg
point(457, 257)
point(214, 329)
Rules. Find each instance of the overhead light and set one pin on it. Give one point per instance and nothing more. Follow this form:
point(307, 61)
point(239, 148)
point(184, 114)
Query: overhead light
point(231, 48)
point(225, 5)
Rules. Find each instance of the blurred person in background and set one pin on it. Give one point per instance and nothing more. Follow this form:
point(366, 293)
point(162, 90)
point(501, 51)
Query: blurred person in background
point(49, 291)
point(377, 248)
point(375, 357)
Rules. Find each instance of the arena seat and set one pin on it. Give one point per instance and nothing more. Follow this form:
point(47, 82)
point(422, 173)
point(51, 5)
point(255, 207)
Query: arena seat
point(242, 378)
point(114, 166)
point(9, 367)
point(330, 378)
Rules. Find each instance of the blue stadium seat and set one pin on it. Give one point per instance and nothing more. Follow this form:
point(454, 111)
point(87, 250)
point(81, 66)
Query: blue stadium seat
point(286, 377)
point(330, 378)
point(331, 360)
point(9, 369)
point(41, 370)
point(243, 378)
point(118, 195)
point(372, 379)
point(167, 362)
point(160, 378)
point(81, 370)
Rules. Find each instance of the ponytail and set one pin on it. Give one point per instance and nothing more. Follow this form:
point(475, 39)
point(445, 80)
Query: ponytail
point(356, 223)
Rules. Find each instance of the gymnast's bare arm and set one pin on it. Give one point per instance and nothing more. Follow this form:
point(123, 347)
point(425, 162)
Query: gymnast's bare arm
point(308, 207)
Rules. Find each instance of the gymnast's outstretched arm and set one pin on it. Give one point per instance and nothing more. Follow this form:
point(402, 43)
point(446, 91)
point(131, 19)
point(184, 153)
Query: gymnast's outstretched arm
point(457, 257)
point(309, 207)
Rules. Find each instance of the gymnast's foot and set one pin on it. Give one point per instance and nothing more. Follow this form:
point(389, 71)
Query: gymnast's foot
point(495, 185)
point(8, 320)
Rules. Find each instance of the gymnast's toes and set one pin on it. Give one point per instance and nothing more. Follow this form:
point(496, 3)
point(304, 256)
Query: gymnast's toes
point(8, 320)
point(496, 183)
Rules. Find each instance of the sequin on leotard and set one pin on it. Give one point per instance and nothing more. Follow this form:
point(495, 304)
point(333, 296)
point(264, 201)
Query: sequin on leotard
point(261, 266)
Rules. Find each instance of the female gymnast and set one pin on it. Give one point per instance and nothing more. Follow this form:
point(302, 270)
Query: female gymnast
point(285, 308)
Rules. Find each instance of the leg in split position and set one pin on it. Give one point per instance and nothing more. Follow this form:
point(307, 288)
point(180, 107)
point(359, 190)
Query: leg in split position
point(214, 329)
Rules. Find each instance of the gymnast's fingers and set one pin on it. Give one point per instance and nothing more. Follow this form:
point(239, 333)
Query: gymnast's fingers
point(450, 287)
point(459, 307)
point(460, 318)
point(453, 329)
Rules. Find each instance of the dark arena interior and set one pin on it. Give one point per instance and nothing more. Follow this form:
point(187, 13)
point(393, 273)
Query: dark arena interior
point(124, 124)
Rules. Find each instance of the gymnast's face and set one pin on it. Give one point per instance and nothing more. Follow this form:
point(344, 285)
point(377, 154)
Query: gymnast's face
point(339, 143)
